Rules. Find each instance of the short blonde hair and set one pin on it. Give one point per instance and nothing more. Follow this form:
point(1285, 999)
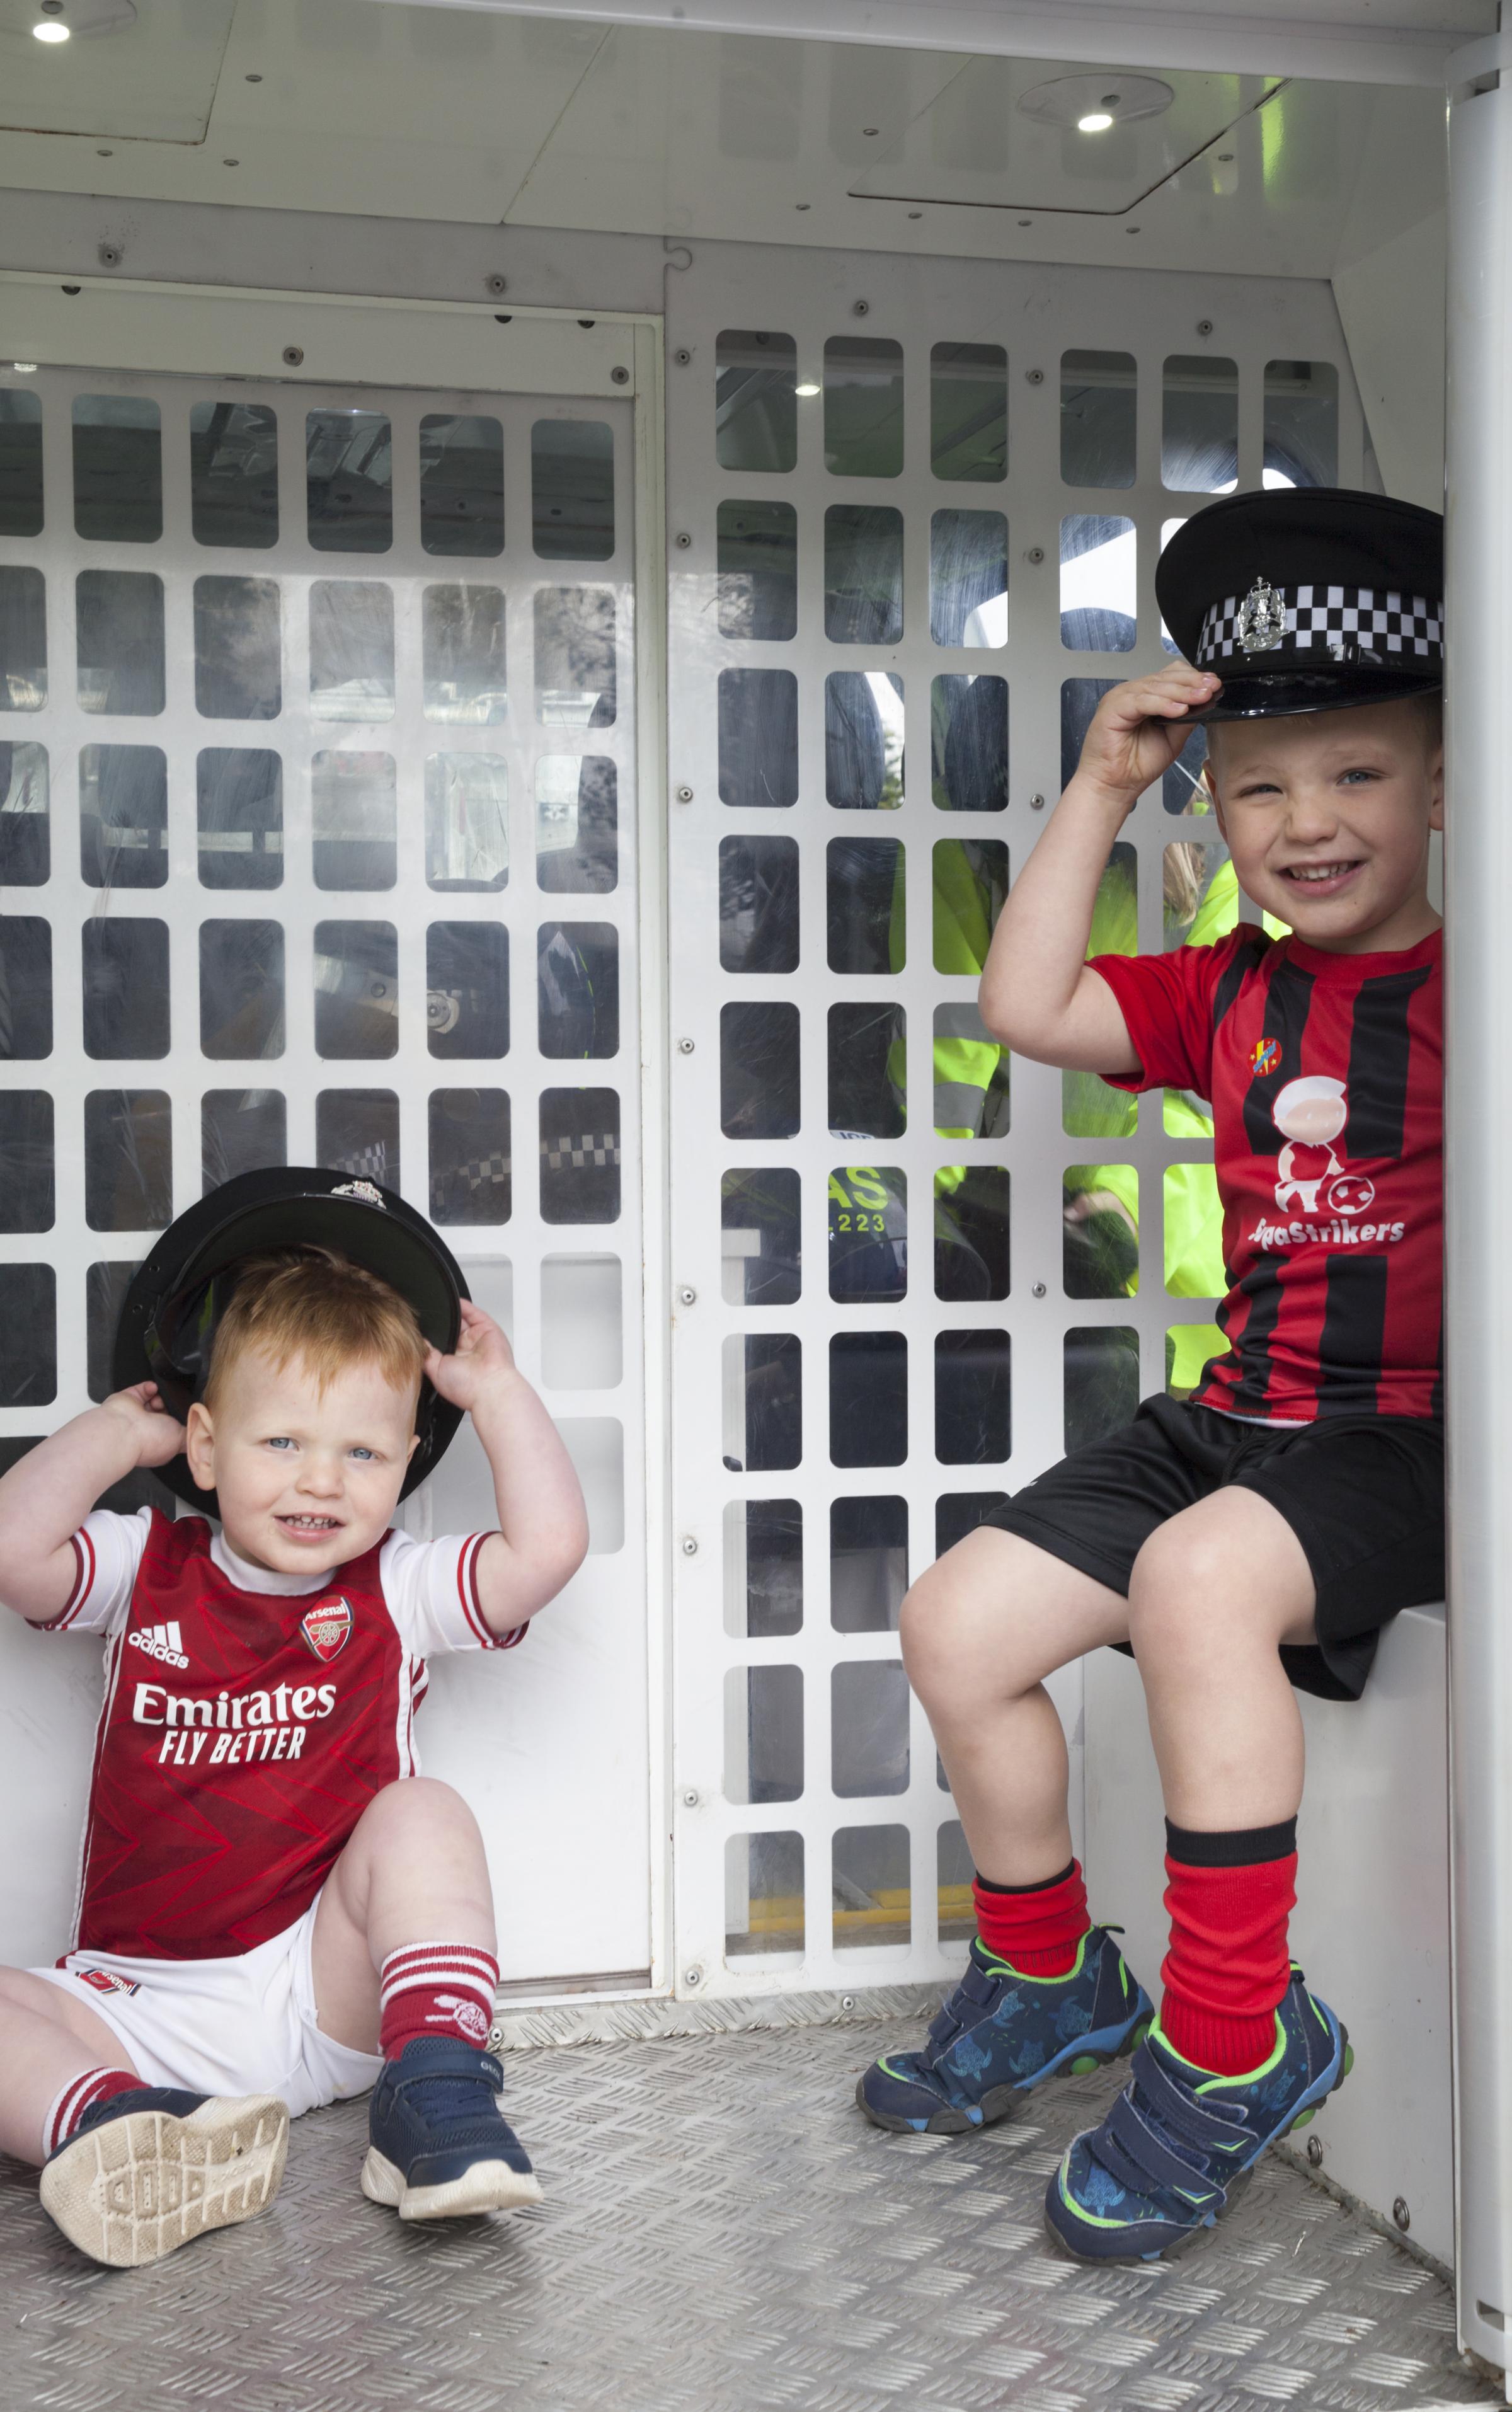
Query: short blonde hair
point(318, 1306)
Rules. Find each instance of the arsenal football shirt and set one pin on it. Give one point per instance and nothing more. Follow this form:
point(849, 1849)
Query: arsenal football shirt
point(248, 1720)
point(1325, 1074)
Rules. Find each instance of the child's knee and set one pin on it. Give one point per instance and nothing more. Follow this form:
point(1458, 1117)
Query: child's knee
point(1177, 1590)
point(418, 1804)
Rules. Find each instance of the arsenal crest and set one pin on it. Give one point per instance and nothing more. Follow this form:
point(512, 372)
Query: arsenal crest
point(324, 1630)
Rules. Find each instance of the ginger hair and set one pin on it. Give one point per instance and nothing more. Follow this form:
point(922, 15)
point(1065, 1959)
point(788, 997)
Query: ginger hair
point(314, 1305)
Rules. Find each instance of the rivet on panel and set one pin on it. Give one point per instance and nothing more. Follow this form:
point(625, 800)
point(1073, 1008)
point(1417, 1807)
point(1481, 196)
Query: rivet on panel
point(690, 1545)
point(682, 541)
point(495, 284)
point(1037, 802)
point(847, 2001)
point(693, 1976)
point(690, 1799)
point(685, 795)
point(860, 309)
point(1034, 376)
point(1400, 2213)
point(252, 78)
point(109, 255)
point(618, 376)
point(687, 1295)
point(1036, 553)
point(684, 1045)
point(682, 356)
point(1314, 2152)
point(1203, 325)
point(293, 356)
point(1037, 1290)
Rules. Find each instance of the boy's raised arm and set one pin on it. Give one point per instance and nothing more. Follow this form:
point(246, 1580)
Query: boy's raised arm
point(543, 1524)
point(47, 1495)
point(1037, 995)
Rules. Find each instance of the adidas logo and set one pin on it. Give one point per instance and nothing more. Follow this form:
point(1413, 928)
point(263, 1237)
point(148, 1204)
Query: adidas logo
point(161, 1641)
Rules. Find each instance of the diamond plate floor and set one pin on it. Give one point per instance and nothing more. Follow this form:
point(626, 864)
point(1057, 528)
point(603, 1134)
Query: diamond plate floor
point(723, 2233)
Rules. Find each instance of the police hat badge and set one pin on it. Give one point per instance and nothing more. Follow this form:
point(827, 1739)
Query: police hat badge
point(168, 1321)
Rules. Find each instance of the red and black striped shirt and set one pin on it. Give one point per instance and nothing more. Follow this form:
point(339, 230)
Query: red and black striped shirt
point(1325, 1074)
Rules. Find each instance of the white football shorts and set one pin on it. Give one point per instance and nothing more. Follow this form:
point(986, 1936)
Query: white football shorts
point(242, 2026)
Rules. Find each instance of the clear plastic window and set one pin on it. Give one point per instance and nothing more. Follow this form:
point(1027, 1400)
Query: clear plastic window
point(758, 891)
point(463, 655)
point(240, 1131)
point(240, 989)
point(1098, 418)
point(863, 574)
point(758, 739)
point(863, 739)
point(118, 468)
point(868, 1564)
point(25, 988)
point(763, 1567)
point(233, 474)
point(25, 845)
point(26, 1160)
point(575, 665)
point(763, 1733)
point(1101, 1380)
point(356, 1130)
point(240, 805)
point(126, 989)
point(755, 407)
point(119, 632)
point(576, 824)
point(972, 1397)
point(468, 989)
point(351, 649)
point(969, 412)
point(868, 1398)
point(1099, 594)
point(1199, 424)
point(969, 744)
point(969, 579)
point(758, 570)
point(579, 1155)
point(467, 822)
point(356, 990)
point(868, 1074)
point(869, 1750)
point(865, 927)
point(123, 816)
point(128, 1159)
point(762, 1387)
point(21, 464)
point(761, 1255)
point(349, 480)
point(759, 1070)
point(23, 639)
point(470, 1159)
point(572, 489)
point(870, 1887)
point(863, 406)
point(354, 818)
point(237, 651)
point(462, 485)
point(763, 1894)
point(868, 1233)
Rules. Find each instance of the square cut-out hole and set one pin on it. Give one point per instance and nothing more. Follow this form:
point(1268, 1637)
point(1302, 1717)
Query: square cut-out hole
point(582, 1307)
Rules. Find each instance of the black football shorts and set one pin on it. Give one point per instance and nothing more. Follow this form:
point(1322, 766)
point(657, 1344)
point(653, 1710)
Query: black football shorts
point(1364, 1496)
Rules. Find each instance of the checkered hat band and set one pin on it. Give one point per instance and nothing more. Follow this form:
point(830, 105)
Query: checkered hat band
point(1340, 622)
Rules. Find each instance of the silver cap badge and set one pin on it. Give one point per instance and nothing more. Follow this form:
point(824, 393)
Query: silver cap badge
point(363, 1189)
point(1260, 622)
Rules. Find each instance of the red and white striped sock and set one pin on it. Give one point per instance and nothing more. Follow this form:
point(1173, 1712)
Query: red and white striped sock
point(436, 1989)
point(79, 2094)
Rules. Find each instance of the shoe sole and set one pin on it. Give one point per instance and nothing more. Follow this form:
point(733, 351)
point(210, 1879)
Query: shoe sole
point(1236, 2192)
point(488, 2186)
point(1002, 2101)
point(138, 2187)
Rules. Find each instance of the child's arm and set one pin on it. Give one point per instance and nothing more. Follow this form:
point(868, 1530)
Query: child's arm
point(1037, 995)
point(47, 1493)
point(543, 1524)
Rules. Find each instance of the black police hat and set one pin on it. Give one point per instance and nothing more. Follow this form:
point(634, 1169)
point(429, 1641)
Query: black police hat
point(1307, 598)
point(177, 1296)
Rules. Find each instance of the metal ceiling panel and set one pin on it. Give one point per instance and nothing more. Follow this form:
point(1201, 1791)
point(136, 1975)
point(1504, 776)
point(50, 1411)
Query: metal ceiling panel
point(149, 81)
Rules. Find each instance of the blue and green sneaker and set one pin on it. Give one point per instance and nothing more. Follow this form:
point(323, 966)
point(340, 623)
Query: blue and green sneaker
point(1176, 2151)
point(1001, 2033)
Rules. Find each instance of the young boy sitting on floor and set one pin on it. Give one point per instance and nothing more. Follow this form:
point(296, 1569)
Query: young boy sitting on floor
point(276, 1911)
point(1270, 1524)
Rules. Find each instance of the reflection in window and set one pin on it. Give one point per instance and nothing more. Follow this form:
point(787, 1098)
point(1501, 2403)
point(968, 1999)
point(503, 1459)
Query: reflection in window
point(1102, 1380)
point(1194, 1223)
point(26, 1165)
point(863, 406)
point(870, 1887)
point(575, 668)
point(240, 989)
point(955, 1903)
point(466, 821)
point(354, 819)
point(23, 639)
point(758, 1071)
point(25, 988)
point(972, 1397)
point(118, 468)
point(971, 888)
point(105, 1291)
point(1099, 601)
point(464, 654)
point(972, 1075)
point(233, 474)
point(471, 1170)
point(572, 489)
point(119, 628)
point(868, 1564)
point(356, 990)
point(868, 1077)
point(1098, 418)
point(1080, 699)
point(126, 989)
point(1092, 1108)
point(763, 1733)
point(25, 849)
point(348, 467)
point(1182, 789)
point(123, 816)
point(868, 1728)
point(762, 1389)
point(240, 806)
point(969, 577)
point(763, 1567)
point(1301, 424)
point(356, 1131)
point(128, 1160)
point(759, 904)
point(863, 739)
point(351, 649)
point(576, 824)
point(958, 1512)
point(969, 744)
point(577, 990)
point(237, 658)
point(28, 1335)
point(1100, 1232)
point(758, 570)
point(756, 411)
point(757, 739)
point(864, 905)
point(468, 989)
point(580, 1150)
point(868, 1232)
point(240, 1131)
point(1199, 424)
point(1188, 869)
point(761, 1253)
point(971, 1231)
point(969, 412)
point(462, 485)
point(1190, 1348)
point(21, 464)
point(868, 1398)
point(763, 1894)
point(863, 574)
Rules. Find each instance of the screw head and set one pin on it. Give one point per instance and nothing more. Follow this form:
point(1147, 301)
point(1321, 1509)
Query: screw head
point(690, 1799)
point(690, 1545)
point(693, 1977)
point(1034, 376)
point(684, 1045)
point(685, 795)
point(1036, 804)
point(252, 78)
point(109, 255)
point(860, 309)
point(682, 540)
point(1400, 2213)
point(1314, 2152)
point(618, 376)
point(1037, 1290)
point(682, 356)
point(1203, 325)
point(1035, 554)
point(687, 1296)
point(292, 355)
point(495, 284)
point(847, 2001)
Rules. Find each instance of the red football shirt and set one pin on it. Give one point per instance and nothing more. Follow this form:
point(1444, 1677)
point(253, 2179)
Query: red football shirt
point(244, 1730)
point(1325, 1074)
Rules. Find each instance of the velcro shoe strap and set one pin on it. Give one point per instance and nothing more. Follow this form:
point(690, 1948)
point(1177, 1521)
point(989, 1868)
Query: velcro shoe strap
point(1209, 2127)
point(943, 2028)
point(1148, 2161)
point(451, 2060)
point(975, 1987)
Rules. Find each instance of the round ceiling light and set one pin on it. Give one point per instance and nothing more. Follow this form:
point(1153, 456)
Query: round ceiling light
point(51, 31)
point(1097, 120)
point(1091, 103)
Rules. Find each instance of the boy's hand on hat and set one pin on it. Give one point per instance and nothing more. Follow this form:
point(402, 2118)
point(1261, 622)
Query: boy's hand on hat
point(481, 1358)
point(157, 1433)
point(1139, 727)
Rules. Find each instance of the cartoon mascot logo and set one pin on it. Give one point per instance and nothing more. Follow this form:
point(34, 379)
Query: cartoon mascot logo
point(1309, 1114)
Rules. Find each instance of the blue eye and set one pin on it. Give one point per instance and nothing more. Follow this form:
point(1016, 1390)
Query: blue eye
point(282, 1441)
point(363, 1452)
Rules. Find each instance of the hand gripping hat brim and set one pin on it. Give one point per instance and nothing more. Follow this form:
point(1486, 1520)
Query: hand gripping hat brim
point(176, 1298)
point(1307, 598)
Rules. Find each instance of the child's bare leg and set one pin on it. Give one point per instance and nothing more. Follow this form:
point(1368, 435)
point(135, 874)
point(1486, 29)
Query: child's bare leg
point(414, 1871)
point(47, 2039)
point(980, 1630)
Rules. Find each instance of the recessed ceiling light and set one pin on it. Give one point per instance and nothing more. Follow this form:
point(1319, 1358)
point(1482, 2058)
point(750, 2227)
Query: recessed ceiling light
point(49, 31)
point(1097, 120)
point(806, 390)
point(24, 368)
point(1092, 102)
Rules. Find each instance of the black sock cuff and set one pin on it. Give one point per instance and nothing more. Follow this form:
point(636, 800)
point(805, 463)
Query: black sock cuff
point(1046, 1884)
point(1250, 1846)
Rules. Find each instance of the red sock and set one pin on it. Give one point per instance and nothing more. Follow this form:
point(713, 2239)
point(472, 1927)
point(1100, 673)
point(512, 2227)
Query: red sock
point(79, 2094)
point(1036, 1928)
point(1230, 1899)
point(436, 1989)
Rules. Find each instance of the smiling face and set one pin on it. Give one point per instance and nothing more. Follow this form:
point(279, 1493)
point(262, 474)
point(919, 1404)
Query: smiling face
point(306, 1477)
point(1327, 816)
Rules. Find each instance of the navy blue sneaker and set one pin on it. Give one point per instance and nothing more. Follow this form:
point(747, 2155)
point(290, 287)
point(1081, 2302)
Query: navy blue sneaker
point(146, 2171)
point(1176, 2151)
point(440, 2147)
point(1001, 2033)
